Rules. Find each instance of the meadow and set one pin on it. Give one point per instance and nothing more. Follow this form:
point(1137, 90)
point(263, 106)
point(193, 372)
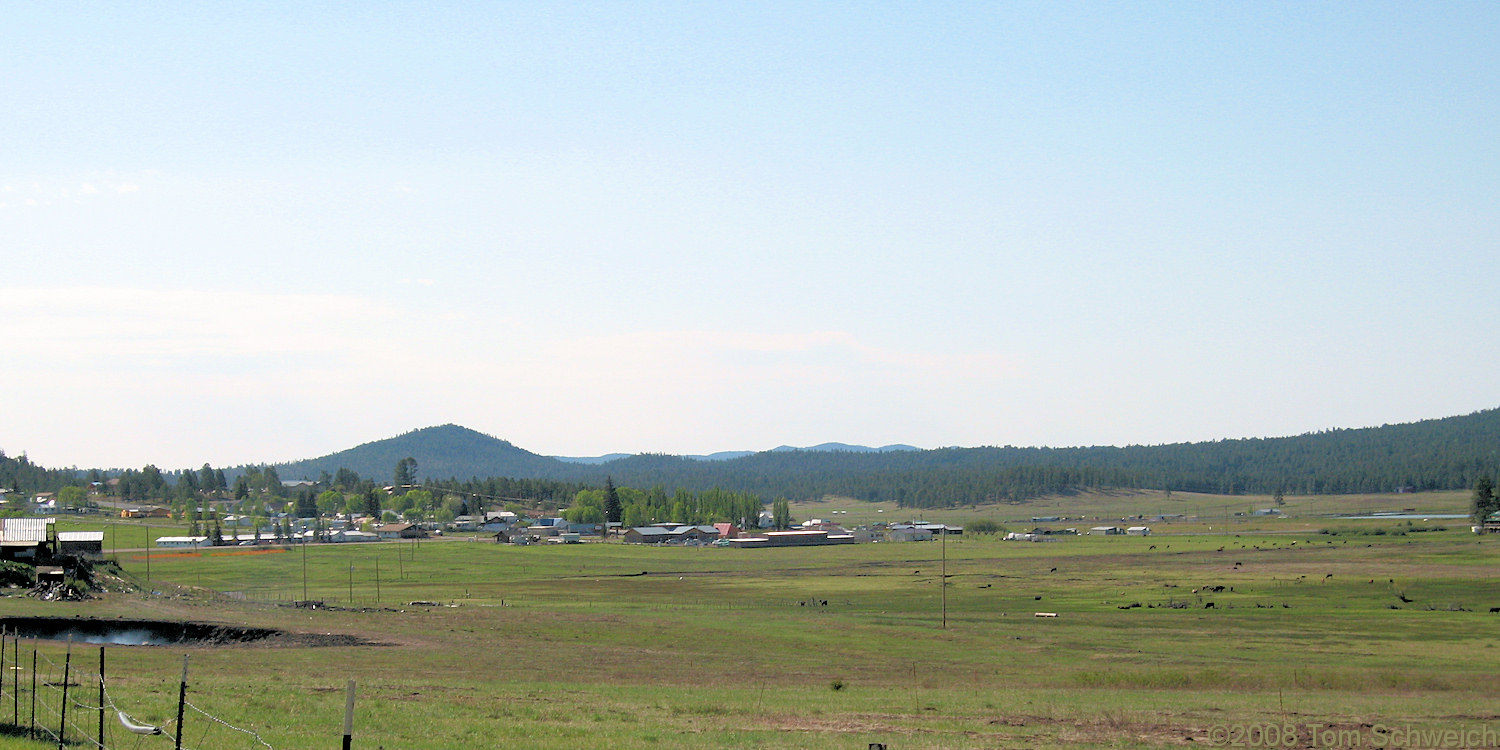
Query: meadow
point(1380, 624)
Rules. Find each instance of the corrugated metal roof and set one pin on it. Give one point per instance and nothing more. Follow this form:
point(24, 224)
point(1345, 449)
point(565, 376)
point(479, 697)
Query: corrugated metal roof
point(80, 536)
point(26, 529)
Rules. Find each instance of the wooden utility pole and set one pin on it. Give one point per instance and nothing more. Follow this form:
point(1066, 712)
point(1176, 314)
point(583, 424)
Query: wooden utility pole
point(945, 576)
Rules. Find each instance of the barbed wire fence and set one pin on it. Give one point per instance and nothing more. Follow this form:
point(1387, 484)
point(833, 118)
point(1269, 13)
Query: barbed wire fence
point(68, 704)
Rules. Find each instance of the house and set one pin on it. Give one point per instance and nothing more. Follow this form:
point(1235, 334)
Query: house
point(400, 531)
point(510, 536)
point(686, 534)
point(647, 535)
point(727, 530)
point(145, 512)
point(353, 535)
point(83, 543)
point(907, 533)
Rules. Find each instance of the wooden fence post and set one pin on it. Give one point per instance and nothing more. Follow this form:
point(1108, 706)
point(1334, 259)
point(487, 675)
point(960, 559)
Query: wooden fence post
point(62, 711)
point(181, 702)
point(349, 717)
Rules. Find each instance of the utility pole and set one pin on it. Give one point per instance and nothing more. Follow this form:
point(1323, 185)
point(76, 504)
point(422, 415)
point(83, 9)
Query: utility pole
point(945, 576)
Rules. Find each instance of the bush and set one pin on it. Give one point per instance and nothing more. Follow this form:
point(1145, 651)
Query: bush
point(14, 574)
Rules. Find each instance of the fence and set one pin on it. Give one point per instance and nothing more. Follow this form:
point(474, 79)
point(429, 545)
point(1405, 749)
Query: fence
point(68, 704)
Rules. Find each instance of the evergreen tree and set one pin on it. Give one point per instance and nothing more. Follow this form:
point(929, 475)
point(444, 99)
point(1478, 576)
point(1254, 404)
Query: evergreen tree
point(372, 503)
point(406, 472)
point(1485, 502)
point(612, 509)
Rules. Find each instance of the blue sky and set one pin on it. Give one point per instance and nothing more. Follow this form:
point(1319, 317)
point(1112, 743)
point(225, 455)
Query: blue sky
point(257, 232)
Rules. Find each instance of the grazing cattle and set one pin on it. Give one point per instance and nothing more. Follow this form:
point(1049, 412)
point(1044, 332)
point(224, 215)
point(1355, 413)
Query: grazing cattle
point(1209, 605)
point(1054, 570)
point(1494, 609)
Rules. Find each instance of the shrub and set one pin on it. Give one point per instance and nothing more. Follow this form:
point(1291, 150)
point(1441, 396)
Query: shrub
point(14, 574)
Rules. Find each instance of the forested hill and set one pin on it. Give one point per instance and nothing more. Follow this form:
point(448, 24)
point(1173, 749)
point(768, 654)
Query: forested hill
point(1434, 454)
point(443, 452)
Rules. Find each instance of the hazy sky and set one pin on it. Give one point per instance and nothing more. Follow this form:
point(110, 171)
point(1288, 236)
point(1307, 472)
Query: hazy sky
point(266, 231)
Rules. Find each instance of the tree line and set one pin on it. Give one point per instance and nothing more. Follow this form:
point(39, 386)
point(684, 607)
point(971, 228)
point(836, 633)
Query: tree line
point(1439, 454)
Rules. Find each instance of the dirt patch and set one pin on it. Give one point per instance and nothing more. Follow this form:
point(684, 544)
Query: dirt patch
point(122, 632)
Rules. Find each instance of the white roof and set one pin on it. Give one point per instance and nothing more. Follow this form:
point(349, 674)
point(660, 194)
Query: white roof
point(26, 529)
point(80, 536)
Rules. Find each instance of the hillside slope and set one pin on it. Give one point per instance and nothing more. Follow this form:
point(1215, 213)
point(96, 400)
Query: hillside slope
point(1438, 454)
point(442, 452)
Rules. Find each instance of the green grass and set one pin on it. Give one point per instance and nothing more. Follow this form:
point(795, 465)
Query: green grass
point(568, 646)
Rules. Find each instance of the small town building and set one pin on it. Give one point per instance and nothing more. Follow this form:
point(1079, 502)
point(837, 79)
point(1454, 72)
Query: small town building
point(647, 535)
point(27, 540)
point(400, 531)
point(183, 541)
point(802, 538)
point(81, 543)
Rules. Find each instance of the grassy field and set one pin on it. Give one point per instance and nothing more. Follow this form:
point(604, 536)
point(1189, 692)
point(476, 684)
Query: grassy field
point(572, 646)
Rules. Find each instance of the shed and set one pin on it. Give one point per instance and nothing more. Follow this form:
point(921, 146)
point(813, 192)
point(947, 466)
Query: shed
point(86, 543)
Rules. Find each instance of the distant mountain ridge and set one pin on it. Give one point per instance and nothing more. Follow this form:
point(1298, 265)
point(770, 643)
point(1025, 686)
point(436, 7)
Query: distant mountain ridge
point(1447, 453)
point(731, 455)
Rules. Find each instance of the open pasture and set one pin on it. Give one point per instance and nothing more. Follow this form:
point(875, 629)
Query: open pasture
point(610, 645)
